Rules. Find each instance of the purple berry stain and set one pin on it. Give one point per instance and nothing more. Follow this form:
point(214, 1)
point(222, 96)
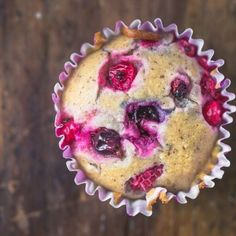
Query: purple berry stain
point(139, 119)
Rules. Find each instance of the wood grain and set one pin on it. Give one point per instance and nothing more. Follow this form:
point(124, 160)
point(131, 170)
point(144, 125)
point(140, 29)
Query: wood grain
point(37, 193)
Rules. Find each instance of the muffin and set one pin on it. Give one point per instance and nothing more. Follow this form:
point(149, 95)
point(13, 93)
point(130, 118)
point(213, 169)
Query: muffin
point(142, 110)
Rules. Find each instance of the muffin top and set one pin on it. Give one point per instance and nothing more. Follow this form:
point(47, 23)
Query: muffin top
point(142, 110)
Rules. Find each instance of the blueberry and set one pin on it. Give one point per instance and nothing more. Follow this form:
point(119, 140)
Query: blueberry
point(145, 113)
point(106, 142)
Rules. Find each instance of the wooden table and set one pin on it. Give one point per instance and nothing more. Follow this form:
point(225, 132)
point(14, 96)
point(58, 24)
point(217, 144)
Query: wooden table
point(37, 193)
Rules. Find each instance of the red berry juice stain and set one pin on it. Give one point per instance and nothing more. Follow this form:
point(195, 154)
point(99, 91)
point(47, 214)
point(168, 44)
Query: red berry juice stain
point(212, 112)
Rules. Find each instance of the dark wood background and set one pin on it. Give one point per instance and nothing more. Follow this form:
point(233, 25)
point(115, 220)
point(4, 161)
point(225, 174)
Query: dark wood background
point(37, 193)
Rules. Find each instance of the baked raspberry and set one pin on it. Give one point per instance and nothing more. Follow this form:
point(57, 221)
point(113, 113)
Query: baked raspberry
point(207, 84)
point(212, 112)
point(68, 129)
point(145, 180)
point(106, 142)
point(203, 61)
point(219, 97)
point(189, 49)
point(179, 88)
point(121, 76)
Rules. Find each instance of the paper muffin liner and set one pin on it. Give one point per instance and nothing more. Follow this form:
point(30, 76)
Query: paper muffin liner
point(144, 206)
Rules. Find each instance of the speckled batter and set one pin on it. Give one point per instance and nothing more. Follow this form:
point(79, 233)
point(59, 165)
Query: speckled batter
point(185, 140)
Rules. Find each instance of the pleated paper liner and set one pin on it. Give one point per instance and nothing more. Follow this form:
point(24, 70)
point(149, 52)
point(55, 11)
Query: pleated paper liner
point(218, 160)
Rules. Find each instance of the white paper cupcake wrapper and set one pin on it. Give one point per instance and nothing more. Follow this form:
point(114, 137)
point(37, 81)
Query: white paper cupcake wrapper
point(133, 207)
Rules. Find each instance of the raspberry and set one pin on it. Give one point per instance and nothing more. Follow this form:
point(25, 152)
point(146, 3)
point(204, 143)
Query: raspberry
point(212, 112)
point(189, 49)
point(121, 76)
point(69, 130)
point(208, 85)
point(106, 142)
point(144, 181)
point(202, 60)
point(179, 88)
point(219, 97)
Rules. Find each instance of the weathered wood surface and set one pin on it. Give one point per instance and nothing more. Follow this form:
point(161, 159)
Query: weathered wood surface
point(37, 194)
